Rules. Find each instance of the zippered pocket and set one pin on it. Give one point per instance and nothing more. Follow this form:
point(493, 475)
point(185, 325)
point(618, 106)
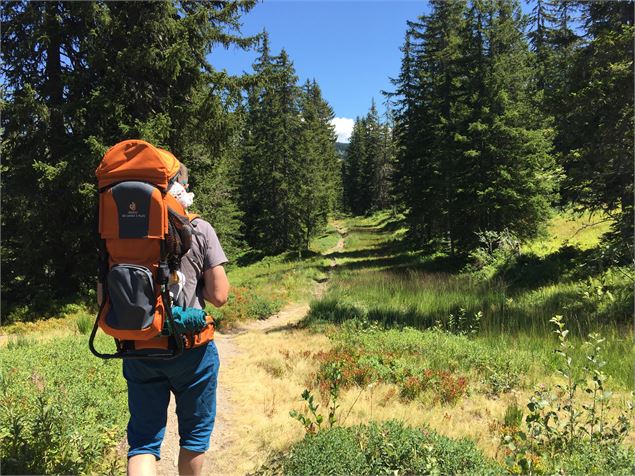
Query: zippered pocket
point(132, 297)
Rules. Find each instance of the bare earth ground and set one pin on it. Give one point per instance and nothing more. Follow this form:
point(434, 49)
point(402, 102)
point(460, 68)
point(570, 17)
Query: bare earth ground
point(249, 416)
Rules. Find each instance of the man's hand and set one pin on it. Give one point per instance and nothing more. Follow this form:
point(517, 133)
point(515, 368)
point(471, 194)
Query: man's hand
point(216, 288)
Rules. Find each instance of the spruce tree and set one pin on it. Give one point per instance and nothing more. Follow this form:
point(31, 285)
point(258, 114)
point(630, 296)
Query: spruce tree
point(352, 166)
point(513, 174)
point(474, 151)
point(79, 78)
point(368, 165)
point(599, 162)
point(318, 184)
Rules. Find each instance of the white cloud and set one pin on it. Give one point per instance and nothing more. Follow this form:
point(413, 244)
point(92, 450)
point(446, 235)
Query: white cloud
point(343, 128)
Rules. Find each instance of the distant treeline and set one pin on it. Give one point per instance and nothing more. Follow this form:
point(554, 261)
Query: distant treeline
point(496, 116)
point(82, 76)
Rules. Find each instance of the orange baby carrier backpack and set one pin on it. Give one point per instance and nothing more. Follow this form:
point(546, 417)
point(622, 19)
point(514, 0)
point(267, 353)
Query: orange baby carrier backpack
point(143, 233)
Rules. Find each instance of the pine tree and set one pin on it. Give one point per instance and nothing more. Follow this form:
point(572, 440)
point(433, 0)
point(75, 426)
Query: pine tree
point(318, 183)
point(599, 162)
point(79, 78)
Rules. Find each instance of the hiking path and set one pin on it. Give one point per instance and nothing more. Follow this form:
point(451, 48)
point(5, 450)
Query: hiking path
point(228, 454)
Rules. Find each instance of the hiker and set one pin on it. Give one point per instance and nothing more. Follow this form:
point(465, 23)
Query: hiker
point(192, 376)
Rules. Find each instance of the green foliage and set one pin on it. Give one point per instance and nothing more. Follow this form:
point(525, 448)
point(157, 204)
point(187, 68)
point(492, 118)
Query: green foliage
point(80, 78)
point(475, 151)
point(463, 323)
point(368, 165)
point(85, 323)
point(385, 448)
point(598, 146)
point(428, 365)
point(61, 410)
point(513, 416)
point(289, 169)
point(260, 307)
point(561, 420)
point(312, 420)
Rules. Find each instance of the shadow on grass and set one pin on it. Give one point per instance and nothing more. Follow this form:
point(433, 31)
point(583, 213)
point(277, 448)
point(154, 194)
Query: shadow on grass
point(331, 310)
point(400, 263)
point(529, 271)
point(497, 316)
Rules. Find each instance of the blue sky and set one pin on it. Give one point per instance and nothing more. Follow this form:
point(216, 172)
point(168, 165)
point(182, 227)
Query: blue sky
point(350, 47)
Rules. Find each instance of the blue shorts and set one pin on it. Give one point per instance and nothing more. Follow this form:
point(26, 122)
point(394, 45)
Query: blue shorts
point(192, 377)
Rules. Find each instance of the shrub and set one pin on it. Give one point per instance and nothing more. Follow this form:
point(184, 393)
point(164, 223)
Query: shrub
point(334, 451)
point(385, 448)
point(561, 422)
point(261, 308)
point(592, 459)
point(61, 409)
point(84, 323)
point(244, 303)
point(360, 367)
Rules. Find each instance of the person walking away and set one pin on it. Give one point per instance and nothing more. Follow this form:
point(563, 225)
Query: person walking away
point(192, 377)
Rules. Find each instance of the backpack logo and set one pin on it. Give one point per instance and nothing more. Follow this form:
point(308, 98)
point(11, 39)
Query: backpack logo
point(132, 207)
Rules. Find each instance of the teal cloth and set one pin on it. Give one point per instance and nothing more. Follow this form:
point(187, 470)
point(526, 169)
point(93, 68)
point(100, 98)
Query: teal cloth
point(188, 319)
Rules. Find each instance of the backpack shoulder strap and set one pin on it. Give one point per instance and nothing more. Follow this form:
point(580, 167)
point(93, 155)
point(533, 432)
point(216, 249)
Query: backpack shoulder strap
point(193, 216)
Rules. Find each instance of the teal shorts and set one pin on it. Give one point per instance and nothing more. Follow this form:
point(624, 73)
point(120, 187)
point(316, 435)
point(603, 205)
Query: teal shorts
point(192, 378)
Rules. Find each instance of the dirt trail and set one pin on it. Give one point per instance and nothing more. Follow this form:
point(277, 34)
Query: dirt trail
point(224, 456)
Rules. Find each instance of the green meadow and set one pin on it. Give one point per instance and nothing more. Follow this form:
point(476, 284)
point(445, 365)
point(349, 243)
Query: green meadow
point(436, 331)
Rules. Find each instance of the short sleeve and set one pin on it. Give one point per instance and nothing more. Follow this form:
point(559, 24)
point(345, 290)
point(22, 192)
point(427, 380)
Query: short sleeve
point(213, 255)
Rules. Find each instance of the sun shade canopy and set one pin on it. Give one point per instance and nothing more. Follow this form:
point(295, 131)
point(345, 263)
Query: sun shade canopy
point(136, 160)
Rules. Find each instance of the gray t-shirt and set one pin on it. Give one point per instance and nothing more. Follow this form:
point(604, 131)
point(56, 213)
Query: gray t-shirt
point(205, 253)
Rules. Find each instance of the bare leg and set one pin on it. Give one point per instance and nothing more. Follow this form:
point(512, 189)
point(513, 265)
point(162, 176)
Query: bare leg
point(190, 462)
point(142, 465)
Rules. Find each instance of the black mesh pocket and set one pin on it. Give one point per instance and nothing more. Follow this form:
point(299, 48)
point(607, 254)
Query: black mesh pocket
point(132, 298)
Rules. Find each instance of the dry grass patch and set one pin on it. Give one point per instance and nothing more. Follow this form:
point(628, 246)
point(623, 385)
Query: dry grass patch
point(265, 375)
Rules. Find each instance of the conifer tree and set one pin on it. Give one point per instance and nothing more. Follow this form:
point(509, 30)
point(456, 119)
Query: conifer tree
point(368, 164)
point(352, 166)
point(599, 162)
point(472, 142)
point(513, 174)
point(269, 162)
point(79, 78)
point(289, 166)
point(318, 186)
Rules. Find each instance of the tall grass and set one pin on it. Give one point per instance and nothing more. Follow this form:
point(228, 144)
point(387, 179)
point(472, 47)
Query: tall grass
point(379, 282)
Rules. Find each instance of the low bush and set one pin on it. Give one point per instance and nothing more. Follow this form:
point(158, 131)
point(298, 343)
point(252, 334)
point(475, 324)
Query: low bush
point(385, 448)
point(568, 430)
point(431, 359)
point(62, 411)
point(245, 303)
point(359, 367)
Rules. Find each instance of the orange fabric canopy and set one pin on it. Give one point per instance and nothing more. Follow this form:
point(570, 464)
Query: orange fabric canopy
point(136, 160)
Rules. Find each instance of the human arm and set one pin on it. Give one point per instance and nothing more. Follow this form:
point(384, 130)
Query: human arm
point(216, 286)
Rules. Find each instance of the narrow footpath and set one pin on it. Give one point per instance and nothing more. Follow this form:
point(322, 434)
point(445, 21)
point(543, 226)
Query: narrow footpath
point(264, 368)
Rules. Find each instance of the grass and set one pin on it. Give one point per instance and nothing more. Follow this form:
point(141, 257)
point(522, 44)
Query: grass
point(388, 310)
point(62, 411)
point(378, 282)
point(376, 318)
point(582, 230)
point(260, 289)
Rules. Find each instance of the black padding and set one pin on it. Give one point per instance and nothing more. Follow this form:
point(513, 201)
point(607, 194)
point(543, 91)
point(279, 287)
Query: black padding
point(131, 292)
point(133, 208)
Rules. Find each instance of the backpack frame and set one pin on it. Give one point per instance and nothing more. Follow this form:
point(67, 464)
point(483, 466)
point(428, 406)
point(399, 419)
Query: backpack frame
point(143, 234)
